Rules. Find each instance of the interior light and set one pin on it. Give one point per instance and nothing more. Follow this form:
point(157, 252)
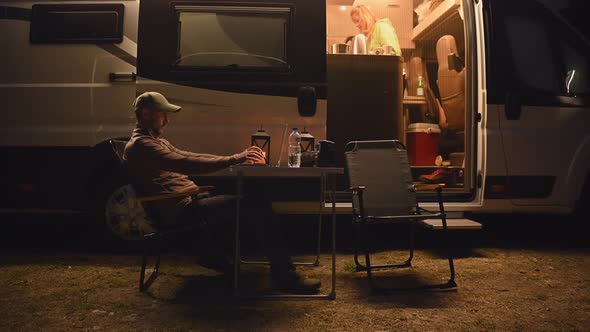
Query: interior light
point(343, 8)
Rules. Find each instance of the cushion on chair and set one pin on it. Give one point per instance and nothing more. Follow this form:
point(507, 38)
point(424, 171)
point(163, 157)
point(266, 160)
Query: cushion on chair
point(125, 216)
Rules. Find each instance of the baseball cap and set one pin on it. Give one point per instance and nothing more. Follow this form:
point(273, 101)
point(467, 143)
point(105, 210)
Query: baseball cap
point(155, 101)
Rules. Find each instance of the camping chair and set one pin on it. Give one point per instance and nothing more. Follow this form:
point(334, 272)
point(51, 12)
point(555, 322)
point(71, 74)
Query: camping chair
point(127, 218)
point(383, 191)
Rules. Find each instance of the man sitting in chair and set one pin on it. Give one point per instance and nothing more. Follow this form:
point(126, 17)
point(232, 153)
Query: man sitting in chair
point(157, 167)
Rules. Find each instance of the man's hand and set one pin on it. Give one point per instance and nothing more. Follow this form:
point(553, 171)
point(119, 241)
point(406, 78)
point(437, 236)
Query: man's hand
point(251, 155)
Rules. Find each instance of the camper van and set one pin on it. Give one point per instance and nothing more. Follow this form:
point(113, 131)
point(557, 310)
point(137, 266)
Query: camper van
point(490, 97)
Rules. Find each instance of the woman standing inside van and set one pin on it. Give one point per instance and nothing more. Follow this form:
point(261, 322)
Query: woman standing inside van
point(378, 32)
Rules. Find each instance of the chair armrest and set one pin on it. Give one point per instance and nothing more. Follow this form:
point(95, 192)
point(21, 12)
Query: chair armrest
point(357, 189)
point(422, 187)
point(174, 195)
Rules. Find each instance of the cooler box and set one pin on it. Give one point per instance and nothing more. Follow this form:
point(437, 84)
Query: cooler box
point(422, 143)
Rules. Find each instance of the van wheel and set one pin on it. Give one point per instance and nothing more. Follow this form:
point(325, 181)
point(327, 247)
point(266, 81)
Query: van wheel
point(125, 217)
point(582, 211)
point(104, 186)
point(106, 238)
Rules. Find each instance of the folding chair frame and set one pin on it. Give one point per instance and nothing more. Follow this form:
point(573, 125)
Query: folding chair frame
point(414, 214)
point(148, 239)
point(420, 214)
point(152, 242)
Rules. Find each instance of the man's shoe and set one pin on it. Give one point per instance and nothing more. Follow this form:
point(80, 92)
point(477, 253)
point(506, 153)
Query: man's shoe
point(292, 282)
point(217, 262)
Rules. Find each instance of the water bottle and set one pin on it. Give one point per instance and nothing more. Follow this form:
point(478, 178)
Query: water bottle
point(294, 149)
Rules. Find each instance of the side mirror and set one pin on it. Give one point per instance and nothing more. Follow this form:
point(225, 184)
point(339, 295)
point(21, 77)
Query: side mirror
point(455, 62)
point(307, 101)
point(568, 80)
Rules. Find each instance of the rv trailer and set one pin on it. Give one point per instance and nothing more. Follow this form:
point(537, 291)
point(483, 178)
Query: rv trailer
point(511, 79)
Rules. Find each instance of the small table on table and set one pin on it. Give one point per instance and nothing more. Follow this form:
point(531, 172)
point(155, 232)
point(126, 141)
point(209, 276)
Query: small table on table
point(242, 171)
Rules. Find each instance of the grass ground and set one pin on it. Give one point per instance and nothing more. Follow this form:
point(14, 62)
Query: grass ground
point(499, 289)
point(517, 274)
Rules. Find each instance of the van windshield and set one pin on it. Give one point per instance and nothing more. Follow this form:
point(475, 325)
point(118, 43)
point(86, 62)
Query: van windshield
point(241, 38)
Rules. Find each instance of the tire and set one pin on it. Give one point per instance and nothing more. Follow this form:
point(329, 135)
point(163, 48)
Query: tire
point(125, 217)
point(106, 180)
point(107, 177)
point(582, 209)
point(106, 239)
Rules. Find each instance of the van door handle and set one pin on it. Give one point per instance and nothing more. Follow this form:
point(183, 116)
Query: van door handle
point(512, 106)
point(122, 77)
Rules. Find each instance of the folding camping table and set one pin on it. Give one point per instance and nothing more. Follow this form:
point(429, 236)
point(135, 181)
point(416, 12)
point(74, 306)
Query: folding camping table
point(240, 172)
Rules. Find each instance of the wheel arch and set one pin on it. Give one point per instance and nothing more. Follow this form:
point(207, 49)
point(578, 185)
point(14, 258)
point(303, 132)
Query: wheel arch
point(578, 175)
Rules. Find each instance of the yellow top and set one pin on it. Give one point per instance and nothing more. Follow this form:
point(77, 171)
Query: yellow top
point(384, 34)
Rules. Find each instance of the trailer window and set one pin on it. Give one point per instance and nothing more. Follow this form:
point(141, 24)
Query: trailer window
point(79, 23)
point(233, 38)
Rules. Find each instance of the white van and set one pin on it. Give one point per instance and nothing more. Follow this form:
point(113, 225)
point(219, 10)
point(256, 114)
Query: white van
point(511, 78)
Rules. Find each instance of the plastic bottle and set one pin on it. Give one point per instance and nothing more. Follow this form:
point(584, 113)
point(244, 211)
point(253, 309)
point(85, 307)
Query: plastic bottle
point(420, 90)
point(294, 159)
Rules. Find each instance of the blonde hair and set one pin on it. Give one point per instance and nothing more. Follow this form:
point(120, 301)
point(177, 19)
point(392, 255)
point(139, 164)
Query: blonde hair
point(365, 14)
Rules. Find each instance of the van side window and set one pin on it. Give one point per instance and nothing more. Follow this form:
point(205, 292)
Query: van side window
point(533, 62)
point(77, 23)
point(233, 38)
point(576, 69)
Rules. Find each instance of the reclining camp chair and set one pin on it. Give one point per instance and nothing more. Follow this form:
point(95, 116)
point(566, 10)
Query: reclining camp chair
point(381, 183)
point(126, 216)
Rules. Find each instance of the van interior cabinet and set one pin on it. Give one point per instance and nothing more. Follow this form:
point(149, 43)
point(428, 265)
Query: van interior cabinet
point(364, 99)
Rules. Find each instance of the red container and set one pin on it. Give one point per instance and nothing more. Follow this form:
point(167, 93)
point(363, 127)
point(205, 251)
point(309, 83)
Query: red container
point(422, 143)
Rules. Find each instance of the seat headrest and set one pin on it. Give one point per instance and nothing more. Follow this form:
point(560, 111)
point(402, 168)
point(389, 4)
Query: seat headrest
point(416, 66)
point(445, 45)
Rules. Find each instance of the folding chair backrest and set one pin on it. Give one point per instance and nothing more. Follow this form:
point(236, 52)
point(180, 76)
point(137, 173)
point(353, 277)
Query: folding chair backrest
point(382, 168)
point(126, 216)
point(118, 148)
